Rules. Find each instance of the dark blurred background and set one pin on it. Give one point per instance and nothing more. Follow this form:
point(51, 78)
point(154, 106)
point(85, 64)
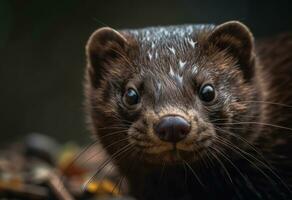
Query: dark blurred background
point(42, 51)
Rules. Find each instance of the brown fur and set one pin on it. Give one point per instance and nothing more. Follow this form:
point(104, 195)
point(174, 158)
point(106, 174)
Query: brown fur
point(167, 66)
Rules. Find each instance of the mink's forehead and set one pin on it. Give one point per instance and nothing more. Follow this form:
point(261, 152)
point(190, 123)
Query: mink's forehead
point(170, 43)
point(169, 51)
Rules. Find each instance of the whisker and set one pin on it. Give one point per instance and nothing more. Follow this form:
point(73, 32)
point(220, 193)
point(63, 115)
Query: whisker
point(241, 139)
point(227, 119)
point(236, 149)
point(119, 183)
point(114, 156)
point(95, 155)
point(112, 134)
point(86, 148)
point(269, 168)
point(209, 161)
point(256, 123)
point(77, 156)
point(229, 160)
point(112, 128)
point(119, 118)
point(129, 169)
point(185, 172)
point(194, 173)
point(269, 102)
point(222, 165)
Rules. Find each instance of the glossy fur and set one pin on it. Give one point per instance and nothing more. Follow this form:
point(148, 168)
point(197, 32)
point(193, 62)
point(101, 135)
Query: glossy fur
point(239, 146)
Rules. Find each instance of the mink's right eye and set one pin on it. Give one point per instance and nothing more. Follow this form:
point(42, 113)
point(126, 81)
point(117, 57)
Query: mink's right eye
point(131, 97)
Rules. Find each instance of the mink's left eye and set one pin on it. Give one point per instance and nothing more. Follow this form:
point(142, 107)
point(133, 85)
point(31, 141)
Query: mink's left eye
point(131, 97)
point(207, 93)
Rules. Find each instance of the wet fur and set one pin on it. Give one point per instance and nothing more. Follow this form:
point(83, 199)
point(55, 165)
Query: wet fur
point(253, 85)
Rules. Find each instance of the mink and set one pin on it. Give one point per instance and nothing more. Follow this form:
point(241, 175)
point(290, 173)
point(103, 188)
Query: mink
point(193, 111)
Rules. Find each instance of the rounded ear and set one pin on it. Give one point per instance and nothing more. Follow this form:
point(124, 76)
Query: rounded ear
point(237, 40)
point(104, 46)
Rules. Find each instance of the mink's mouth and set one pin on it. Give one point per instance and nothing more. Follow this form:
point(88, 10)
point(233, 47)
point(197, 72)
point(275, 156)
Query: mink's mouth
point(171, 156)
point(168, 154)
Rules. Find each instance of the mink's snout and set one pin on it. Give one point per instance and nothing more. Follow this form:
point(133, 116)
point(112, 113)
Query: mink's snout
point(172, 128)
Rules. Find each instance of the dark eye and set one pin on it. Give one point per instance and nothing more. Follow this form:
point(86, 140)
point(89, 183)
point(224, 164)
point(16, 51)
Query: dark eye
point(207, 93)
point(131, 97)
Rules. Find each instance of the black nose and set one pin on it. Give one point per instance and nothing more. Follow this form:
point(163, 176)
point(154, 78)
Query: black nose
point(172, 128)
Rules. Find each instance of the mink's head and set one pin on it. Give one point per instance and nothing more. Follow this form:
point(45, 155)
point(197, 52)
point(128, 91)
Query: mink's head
point(170, 94)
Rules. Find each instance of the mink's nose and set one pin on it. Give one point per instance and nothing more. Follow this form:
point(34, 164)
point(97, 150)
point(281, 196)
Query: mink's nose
point(172, 128)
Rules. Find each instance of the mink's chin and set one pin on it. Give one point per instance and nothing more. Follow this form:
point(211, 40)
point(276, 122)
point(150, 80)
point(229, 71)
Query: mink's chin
point(172, 156)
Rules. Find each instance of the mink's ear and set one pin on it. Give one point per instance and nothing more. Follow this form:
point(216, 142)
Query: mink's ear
point(104, 47)
point(236, 39)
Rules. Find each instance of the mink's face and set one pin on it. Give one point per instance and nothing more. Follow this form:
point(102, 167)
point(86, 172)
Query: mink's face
point(168, 95)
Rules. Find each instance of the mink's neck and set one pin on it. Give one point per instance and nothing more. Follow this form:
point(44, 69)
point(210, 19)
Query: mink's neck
point(205, 181)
